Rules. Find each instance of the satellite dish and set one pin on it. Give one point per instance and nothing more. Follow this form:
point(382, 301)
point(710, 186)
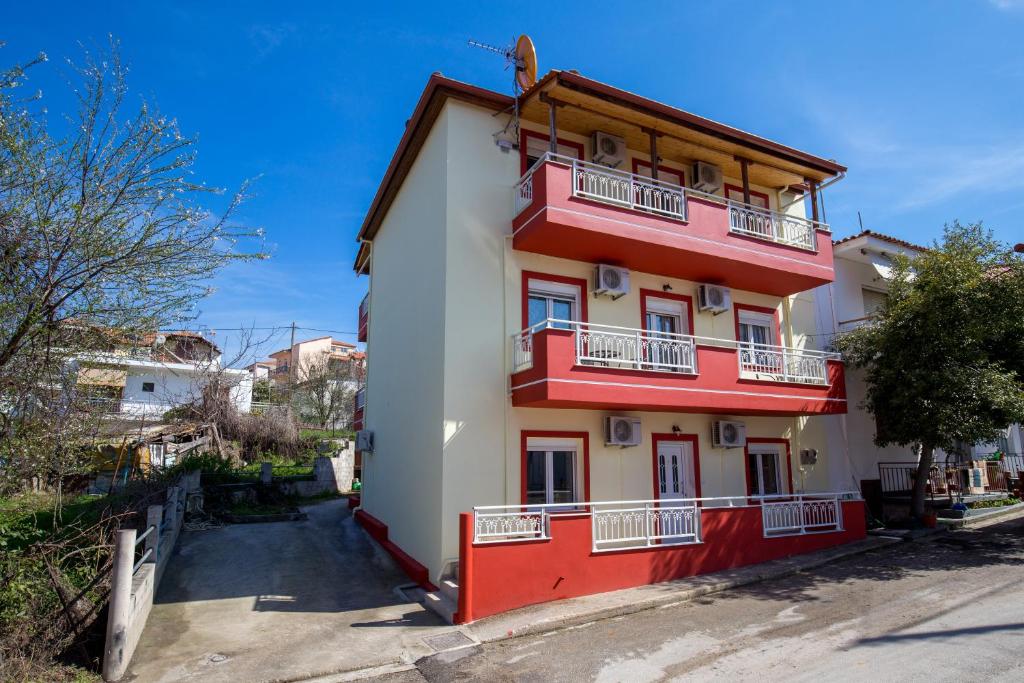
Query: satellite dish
point(526, 62)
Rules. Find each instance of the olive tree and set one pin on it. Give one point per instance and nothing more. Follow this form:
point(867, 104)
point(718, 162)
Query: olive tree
point(944, 359)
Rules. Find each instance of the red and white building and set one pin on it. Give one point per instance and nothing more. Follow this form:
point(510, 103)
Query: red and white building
point(584, 375)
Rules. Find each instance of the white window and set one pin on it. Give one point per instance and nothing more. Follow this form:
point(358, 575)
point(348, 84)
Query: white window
point(874, 301)
point(757, 328)
point(764, 469)
point(552, 301)
point(666, 315)
point(551, 472)
point(537, 147)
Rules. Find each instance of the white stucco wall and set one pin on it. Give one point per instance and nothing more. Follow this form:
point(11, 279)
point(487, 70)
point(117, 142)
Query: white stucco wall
point(405, 391)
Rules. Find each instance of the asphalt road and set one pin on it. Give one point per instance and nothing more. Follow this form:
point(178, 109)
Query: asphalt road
point(948, 609)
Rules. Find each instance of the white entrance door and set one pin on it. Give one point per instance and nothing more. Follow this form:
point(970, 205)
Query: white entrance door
point(675, 480)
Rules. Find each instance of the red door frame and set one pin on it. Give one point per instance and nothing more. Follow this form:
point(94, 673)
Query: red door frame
point(684, 298)
point(524, 134)
point(746, 461)
point(637, 163)
point(773, 312)
point(524, 437)
point(658, 438)
point(753, 193)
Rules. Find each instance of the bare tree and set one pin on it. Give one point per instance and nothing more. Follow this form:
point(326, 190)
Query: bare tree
point(325, 390)
point(101, 228)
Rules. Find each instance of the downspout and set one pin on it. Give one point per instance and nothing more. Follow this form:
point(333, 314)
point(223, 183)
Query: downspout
point(366, 382)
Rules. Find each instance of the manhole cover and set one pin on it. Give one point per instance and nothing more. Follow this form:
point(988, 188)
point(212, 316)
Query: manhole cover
point(447, 641)
point(217, 659)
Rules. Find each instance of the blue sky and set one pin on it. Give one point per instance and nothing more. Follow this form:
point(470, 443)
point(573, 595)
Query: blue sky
point(922, 101)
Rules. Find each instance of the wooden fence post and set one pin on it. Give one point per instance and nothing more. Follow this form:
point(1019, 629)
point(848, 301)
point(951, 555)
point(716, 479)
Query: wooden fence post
point(114, 661)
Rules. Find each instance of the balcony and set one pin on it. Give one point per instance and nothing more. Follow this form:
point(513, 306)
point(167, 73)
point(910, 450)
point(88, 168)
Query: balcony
point(359, 409)
point(562, 364)
point(364, 317)
point(586, 212)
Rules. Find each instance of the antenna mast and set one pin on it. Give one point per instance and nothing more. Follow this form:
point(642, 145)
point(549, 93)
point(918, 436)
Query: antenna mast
point(521, 55)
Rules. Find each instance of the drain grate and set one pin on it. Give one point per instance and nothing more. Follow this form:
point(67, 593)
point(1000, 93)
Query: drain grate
point(447, 641)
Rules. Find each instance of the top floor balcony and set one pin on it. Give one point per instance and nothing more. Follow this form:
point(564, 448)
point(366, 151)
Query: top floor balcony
point(578, 210)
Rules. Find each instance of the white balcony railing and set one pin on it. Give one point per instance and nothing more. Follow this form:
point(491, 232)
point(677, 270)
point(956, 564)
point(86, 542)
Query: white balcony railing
point(780, 228)
point(604, 184)
point(783, 364)
point(628, 524)
point(802, 514)
point(628, 347)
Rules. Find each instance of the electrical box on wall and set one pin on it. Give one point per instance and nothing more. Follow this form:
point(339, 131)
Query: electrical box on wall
point(808, 456)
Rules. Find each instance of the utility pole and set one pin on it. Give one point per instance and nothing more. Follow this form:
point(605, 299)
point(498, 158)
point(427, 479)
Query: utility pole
point(291, 364)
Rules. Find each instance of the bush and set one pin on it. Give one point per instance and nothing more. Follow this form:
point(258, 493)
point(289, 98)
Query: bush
point(273, 431)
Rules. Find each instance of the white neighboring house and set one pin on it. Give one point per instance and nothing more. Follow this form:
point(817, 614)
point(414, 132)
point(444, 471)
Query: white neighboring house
point(863, 265)
point(162, 371)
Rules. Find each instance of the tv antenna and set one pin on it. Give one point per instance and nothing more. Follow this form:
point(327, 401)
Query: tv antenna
point(522, 56)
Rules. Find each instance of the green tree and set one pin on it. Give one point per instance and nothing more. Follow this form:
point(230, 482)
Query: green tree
point(944, 359)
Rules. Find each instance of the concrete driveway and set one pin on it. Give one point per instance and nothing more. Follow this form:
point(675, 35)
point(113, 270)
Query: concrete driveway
point(280, 602)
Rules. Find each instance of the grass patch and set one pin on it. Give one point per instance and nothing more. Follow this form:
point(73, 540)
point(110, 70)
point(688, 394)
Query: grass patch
point(29, 517)
point(999, 503)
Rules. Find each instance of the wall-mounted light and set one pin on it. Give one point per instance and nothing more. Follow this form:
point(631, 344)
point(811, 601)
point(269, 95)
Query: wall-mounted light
point(676, 429)
point(666, 287)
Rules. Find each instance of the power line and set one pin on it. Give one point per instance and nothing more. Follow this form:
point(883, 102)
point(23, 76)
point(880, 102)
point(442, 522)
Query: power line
point(260, 329)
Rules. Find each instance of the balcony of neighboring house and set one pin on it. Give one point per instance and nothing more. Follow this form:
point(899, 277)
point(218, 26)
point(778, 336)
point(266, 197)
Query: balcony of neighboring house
point(359, 409)
point(364, 317)
point(568, 364)
point(609, 177)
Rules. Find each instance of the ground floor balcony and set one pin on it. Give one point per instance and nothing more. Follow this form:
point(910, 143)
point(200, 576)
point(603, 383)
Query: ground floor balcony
point(587, 212)
point(565, 364)
point(512, 556)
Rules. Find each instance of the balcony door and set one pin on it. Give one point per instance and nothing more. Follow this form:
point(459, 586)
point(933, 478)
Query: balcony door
point(665, 175)
point(537, 145)
point(757, 199)
point(757, 339)
point(664, 321)
point(676, 477)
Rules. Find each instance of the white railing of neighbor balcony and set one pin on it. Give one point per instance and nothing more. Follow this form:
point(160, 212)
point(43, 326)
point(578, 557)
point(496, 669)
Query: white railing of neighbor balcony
point(629, 347)
point(802, 515)
point(627, 524)
point(773, 226)
point(783, 364)
point(604, 184)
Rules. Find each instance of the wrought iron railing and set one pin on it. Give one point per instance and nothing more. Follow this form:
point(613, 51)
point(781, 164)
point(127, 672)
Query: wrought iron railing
point(634, 348)
point(780, 228)
point(608, 185)
point(784, 364)
point(802, 514)
point(626, 524)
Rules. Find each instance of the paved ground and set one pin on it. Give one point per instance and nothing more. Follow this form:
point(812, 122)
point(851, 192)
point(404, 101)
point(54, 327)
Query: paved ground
point(282, 601)
point(951, 608)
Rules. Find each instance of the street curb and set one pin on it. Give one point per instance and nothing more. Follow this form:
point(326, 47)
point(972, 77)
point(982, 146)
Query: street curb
point(491, 629)
point(997, 514)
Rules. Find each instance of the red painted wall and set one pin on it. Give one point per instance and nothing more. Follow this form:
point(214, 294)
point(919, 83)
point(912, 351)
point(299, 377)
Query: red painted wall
point(700, 249)
point(602, 388)
point(499, 577)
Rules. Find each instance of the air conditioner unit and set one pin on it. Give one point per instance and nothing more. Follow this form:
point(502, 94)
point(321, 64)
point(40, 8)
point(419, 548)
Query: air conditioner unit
point(611, 281)
point(706, 177)
point(609, 150)
point(622, 431)
point(726, 434)
point(364, 440)
point(713, 298)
